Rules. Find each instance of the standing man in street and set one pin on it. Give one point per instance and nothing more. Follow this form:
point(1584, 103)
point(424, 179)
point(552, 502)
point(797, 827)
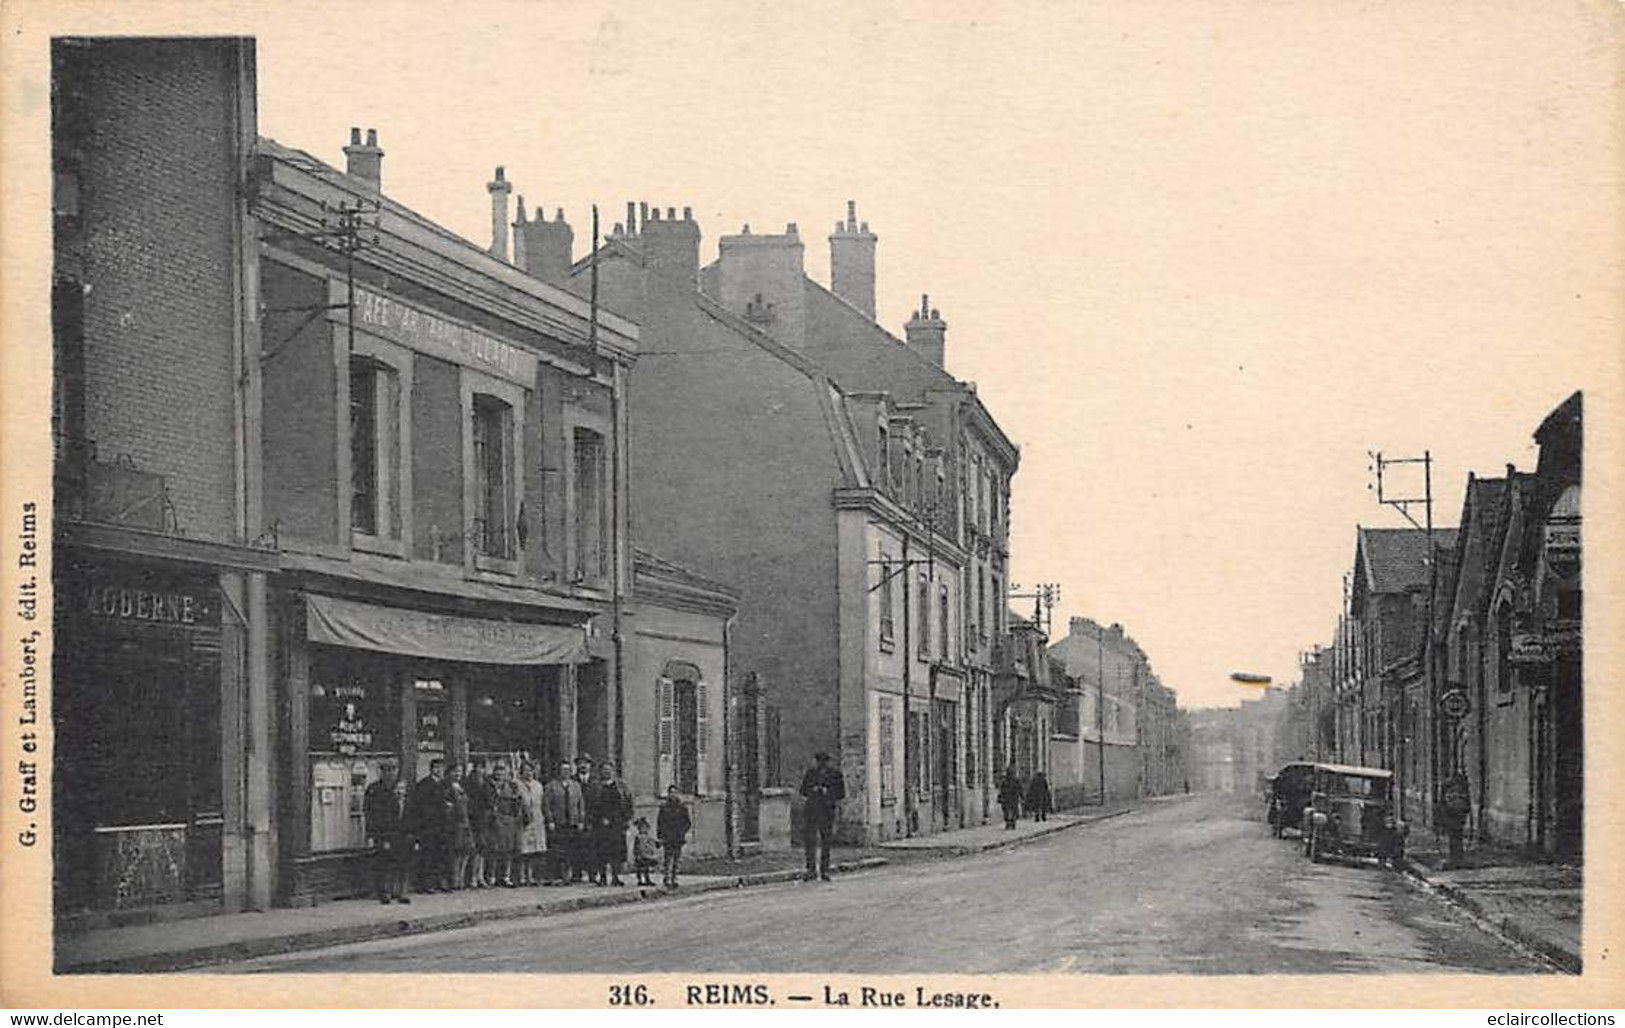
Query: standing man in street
point(382, 825)
point(824, 789)
point(430, 809)
point(610, 807)
point(1456, 803)
point(565, 814)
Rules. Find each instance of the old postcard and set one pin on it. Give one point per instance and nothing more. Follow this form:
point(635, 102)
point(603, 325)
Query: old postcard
point(811, 506)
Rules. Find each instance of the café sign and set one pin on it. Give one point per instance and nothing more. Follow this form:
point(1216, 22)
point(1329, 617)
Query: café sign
point(426, 332)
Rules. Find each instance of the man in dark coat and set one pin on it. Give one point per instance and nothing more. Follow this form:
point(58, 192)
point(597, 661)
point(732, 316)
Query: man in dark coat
point(1010, 796)
point(430, 807)
point(564, 813)
point(481, 814)
point(584, 859)
point(610, 807)
point(671, 828)
point(1455, 805)
point(382, 824)
point(388, 819)
point(824, 789)
point(1039, 800)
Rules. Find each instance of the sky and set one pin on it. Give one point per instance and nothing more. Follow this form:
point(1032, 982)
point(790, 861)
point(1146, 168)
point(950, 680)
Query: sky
point(1199, 259)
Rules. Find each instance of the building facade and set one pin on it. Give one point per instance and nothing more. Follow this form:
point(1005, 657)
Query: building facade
point(392, 527)
point(1128, 736)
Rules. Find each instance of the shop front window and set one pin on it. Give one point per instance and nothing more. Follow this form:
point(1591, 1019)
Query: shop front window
point(354, 725)
point(504, 719)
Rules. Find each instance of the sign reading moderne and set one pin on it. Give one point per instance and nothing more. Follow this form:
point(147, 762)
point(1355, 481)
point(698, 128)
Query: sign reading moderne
point(421, 330)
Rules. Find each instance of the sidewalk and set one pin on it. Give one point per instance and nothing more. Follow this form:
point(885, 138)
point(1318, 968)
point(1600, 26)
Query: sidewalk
point(995, 836)
point(194, 942)
point(1534, 904)
point(175, 945)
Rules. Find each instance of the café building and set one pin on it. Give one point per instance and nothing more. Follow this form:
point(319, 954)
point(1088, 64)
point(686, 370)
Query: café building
point(444, 471)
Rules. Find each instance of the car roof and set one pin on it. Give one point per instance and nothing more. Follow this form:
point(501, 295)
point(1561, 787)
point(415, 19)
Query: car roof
point(1363, 772)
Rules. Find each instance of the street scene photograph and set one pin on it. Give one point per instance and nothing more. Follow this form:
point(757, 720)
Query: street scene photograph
point(896, 490)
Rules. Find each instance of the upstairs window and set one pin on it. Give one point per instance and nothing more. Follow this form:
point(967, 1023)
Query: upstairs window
point(375, 452)
point(884, 453)
point(592, 556)
point(883, 602)
point(493, 528)
point(923, 617)
point(942, 623)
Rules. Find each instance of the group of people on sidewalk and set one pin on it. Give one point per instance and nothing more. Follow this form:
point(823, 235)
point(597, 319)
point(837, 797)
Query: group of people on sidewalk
point(1034, 795)
point(482, 827)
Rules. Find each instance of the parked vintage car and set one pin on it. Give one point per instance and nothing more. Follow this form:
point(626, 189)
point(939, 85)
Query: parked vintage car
point(1351, 814)
point(1288, 794)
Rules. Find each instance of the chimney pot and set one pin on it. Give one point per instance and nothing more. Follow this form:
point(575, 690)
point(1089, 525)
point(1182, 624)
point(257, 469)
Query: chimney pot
point(790, 229)
point(643, 215)
point(688, 214)
point(558, 214)
point(655, 214)
point(631, 217)
point(671, 214)
point(364, 161)
point(851, 212)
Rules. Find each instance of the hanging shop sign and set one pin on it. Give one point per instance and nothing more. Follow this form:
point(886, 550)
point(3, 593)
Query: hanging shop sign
point(1454, 704)
point(418, 633)
point(1529, 648)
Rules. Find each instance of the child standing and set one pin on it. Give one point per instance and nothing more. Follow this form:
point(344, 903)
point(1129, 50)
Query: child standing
point(645, 851)
point(673, 826)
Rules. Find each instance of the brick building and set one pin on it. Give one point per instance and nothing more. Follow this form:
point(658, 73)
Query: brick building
point(391, 526)
point(162, 695)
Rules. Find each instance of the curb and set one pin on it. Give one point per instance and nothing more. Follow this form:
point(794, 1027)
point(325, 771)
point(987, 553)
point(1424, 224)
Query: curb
point(999, 844)
point(1507, 927)
point(293, 942)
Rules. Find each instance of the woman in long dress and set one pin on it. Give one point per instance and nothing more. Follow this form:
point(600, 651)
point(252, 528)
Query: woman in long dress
point(533, 833)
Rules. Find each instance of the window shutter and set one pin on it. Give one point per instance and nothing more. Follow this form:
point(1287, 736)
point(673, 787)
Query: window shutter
point(702, 735)
point(666, 702)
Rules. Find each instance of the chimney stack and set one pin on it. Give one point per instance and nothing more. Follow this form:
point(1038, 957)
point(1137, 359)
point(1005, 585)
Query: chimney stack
point(671, 246)
point(852, 261)
point(499, 189)
point(364, 161)
point(926, 332)
point(545, 248)
point(762, 272)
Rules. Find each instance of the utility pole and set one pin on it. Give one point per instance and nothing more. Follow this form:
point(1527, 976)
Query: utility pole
point(1045, 596)
point(1403, 504)
point(1100, 706)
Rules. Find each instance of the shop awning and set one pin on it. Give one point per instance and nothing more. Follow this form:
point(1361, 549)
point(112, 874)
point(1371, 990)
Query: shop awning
point(418, 633)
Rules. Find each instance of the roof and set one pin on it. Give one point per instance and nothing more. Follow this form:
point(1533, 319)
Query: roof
point(643, 560)
point(1394, 560)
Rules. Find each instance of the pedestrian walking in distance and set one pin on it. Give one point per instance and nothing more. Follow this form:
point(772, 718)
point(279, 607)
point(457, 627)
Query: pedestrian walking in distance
point(1456, 803)
point(1039, 801)
point(824, 789)
point(671, 826)
point(1010, 796)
